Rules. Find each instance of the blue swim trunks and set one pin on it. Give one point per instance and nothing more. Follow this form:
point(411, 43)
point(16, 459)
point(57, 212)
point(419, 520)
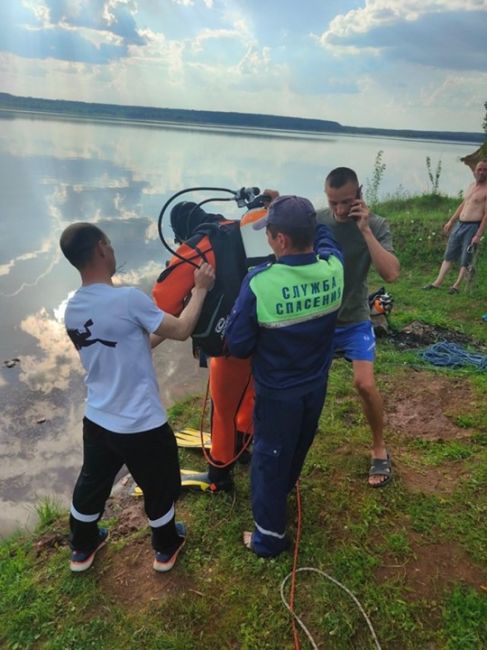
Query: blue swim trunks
point(458, 247)
point(355, 342)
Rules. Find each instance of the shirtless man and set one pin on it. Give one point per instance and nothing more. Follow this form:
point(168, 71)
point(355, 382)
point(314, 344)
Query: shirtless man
point(471, 215)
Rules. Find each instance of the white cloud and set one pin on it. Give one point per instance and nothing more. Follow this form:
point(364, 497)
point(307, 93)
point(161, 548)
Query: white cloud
point(158, 51)
point(6, 268)
point(386, 12)
point(415, 61)
point(110, 6)
point(40, 11)
point(136, 277)
point(214, 34)
point(191, 3)
point(96, 37)
point(256, 61)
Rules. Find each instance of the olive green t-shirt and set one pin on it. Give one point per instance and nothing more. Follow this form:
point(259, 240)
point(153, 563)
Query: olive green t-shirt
point(355, 306)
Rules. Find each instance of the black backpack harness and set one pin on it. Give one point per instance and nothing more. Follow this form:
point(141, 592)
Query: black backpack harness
point(230, 270)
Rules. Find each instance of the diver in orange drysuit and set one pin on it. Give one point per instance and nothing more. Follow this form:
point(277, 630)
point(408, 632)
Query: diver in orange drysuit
point(230, 379)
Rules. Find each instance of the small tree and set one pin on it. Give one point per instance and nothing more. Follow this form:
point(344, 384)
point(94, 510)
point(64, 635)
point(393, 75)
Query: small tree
point(485, 119)
point(434, 178)
point(372, 186)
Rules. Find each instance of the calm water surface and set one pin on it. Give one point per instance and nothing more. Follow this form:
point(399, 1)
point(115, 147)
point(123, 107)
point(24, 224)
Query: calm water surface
point(53, 173)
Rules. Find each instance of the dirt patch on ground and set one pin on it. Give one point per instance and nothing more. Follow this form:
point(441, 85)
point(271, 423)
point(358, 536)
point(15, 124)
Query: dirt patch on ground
point(130, 581)
point(424, 405)
point(50, 541)
point(125, 576)
point(128, 510)
point(432, 571)
point(128, 578)
point(433, 480)
point(418, 334)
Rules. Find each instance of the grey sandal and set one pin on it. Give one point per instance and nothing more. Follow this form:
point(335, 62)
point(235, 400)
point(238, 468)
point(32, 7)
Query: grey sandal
point(381, 467)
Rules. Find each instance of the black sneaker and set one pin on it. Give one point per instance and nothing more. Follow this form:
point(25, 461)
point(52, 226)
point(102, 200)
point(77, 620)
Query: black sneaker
point(165, 560)
point(82, 560)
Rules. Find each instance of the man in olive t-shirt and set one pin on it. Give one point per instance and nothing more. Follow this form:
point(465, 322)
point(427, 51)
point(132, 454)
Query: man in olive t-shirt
point(364, 238)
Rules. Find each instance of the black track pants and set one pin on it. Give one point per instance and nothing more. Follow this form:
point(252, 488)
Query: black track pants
point(152, 459)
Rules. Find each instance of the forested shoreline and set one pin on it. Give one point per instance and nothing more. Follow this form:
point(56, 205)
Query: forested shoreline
point(86, 110)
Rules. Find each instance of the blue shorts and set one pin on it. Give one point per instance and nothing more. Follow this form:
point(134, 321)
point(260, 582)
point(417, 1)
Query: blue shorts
point(355, 342)
point(458, 247)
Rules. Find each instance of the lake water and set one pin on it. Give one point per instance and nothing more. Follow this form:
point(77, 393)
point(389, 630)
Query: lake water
point(53, 173)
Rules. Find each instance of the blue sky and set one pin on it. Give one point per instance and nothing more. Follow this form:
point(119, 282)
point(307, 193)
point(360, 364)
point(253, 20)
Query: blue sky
point(418, 64)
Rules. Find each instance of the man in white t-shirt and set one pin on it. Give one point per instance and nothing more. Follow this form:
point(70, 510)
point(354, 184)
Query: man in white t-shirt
point(113, 329)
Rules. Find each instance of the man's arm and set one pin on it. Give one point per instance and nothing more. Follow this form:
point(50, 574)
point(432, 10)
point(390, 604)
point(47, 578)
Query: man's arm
point(156, 340)
point(385, 262)
point(325, 244)
point(180, 328)
point(481, 229)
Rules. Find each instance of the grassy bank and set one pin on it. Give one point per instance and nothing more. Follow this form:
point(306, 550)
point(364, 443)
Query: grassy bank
point(413, 553)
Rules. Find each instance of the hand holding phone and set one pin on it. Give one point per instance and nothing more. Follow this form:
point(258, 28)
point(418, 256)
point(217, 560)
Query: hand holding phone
point(359, 212)
point(357, 205)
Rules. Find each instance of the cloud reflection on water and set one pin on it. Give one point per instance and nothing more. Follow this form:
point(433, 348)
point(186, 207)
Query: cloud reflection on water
point(55, 358)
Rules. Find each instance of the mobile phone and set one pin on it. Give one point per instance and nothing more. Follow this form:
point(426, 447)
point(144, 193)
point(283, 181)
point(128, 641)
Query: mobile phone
point(358, 197)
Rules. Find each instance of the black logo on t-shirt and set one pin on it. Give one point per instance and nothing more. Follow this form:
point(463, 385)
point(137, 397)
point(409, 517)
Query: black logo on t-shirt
point(82, 339)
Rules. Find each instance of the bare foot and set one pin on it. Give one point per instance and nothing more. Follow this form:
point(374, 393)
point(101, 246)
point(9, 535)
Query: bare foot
point(377, 479)
point(247, 539)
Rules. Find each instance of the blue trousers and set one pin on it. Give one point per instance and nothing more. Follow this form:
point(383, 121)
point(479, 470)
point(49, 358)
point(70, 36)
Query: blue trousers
point(283, 433)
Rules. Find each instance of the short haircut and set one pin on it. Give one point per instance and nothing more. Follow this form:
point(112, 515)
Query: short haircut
point(78, 243)
point(341, 176)
point(301, 237)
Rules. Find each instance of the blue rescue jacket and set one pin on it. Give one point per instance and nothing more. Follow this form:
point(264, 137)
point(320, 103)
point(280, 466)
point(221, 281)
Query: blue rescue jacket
point(285, 317)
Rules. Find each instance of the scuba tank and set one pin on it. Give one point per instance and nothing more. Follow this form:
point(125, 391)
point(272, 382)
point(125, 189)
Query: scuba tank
point(191, 224)
point(257, 249)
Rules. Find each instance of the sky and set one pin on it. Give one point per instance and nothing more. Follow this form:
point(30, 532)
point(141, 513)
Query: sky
point(415, 64)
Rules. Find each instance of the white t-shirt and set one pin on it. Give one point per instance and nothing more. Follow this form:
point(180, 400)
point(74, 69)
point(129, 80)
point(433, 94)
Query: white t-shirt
point(110, 328)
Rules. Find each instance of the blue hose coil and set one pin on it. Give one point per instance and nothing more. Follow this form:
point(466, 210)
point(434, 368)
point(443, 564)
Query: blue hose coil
point(453, 356)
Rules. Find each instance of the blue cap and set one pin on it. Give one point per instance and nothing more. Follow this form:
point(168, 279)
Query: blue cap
point(290, 213)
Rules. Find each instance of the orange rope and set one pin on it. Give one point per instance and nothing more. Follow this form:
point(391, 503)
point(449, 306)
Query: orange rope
point(298, 501)
point(295, 565)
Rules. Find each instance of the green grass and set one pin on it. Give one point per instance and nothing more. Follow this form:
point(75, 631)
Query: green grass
point(437, 452)
point(465, 619)
point(48, 510)
point(374, 541)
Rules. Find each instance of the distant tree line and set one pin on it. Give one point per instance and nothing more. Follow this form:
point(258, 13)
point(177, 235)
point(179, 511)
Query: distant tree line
point(87, 110)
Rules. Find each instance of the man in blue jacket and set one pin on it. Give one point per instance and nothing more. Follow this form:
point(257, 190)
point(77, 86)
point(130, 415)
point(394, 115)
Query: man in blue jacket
point(284, 318)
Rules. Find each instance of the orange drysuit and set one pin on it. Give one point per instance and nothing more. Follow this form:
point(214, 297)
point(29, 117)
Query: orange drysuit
point(231, 388)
